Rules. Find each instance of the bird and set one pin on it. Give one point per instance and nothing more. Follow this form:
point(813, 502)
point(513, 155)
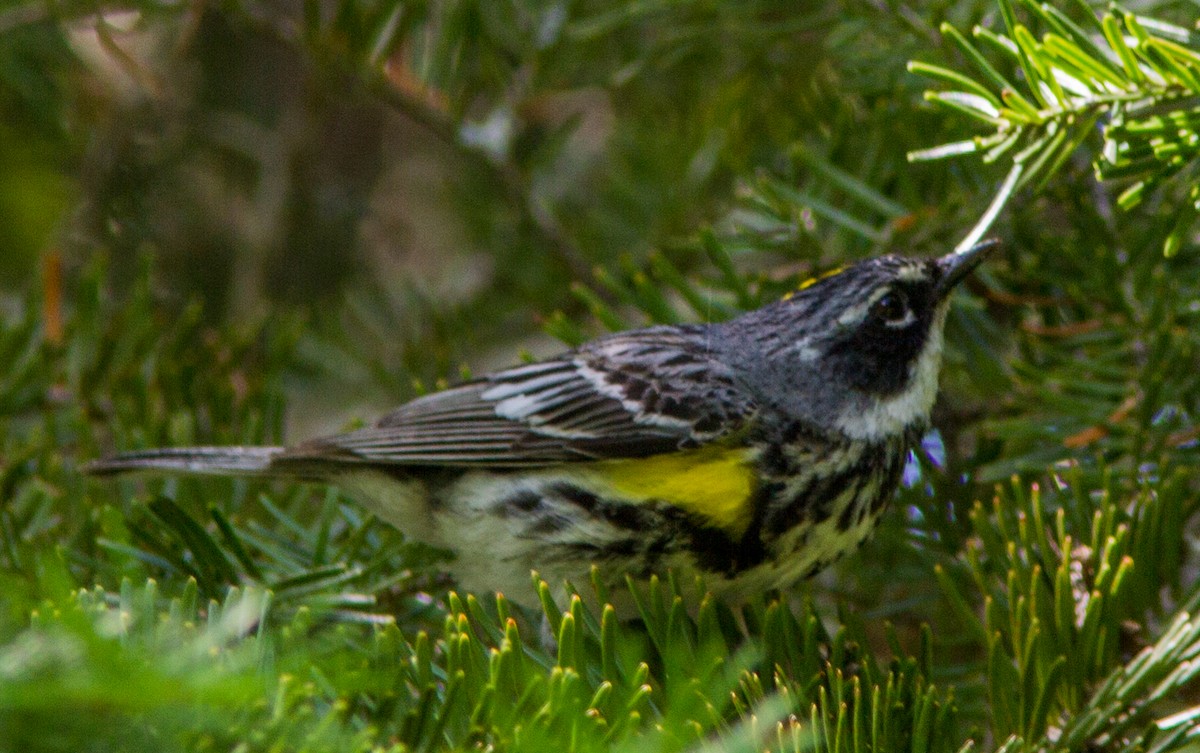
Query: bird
point(751, 453)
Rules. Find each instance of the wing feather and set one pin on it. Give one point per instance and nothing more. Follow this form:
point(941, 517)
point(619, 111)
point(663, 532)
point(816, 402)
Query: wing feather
point(629, 395)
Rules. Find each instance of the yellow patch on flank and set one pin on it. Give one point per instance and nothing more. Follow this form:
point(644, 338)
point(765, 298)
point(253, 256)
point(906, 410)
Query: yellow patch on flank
point(714, 483)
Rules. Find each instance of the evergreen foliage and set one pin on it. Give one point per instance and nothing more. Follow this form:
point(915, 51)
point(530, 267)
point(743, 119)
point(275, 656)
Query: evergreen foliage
point(1033, 588)
point(1139, 74)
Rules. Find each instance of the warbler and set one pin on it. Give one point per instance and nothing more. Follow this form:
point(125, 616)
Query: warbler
point(753, 452)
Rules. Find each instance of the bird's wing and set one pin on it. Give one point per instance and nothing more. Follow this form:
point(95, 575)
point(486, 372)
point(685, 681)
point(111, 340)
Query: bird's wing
point(628, 395)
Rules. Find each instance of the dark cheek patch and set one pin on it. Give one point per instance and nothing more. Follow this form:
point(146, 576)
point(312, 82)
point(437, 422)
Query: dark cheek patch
point(878, 359)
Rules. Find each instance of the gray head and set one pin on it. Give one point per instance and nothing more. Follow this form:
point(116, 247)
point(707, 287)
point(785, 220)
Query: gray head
point(858, 349)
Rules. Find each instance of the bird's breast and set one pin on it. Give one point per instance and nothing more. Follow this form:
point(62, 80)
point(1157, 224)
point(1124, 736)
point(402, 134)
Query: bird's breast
point(810, 480)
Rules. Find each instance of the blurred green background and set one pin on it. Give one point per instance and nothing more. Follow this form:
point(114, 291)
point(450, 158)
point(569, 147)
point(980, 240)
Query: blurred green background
point(422, 182)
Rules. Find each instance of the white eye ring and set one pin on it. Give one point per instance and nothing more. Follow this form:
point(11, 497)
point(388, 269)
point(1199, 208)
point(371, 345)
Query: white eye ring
point(893, 310)
point(908, 319)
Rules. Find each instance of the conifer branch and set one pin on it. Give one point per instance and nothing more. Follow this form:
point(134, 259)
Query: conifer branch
point(1138, 78)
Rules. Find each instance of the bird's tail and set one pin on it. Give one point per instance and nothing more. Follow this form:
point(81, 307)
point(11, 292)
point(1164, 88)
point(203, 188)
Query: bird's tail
point(197, 461)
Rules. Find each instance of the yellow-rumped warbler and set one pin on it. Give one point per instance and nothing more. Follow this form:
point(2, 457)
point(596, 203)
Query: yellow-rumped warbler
point(754, 451)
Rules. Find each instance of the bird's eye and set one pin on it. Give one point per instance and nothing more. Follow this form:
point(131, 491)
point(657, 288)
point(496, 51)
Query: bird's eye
point(892, 309)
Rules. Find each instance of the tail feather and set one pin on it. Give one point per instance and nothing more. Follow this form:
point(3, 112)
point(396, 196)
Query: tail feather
point(217, 461)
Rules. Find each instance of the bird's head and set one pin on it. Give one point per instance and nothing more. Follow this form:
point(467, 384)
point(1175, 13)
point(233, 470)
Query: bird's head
point(865, 341)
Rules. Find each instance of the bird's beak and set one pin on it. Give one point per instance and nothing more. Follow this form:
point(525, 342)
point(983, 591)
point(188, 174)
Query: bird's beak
point(956, 266)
